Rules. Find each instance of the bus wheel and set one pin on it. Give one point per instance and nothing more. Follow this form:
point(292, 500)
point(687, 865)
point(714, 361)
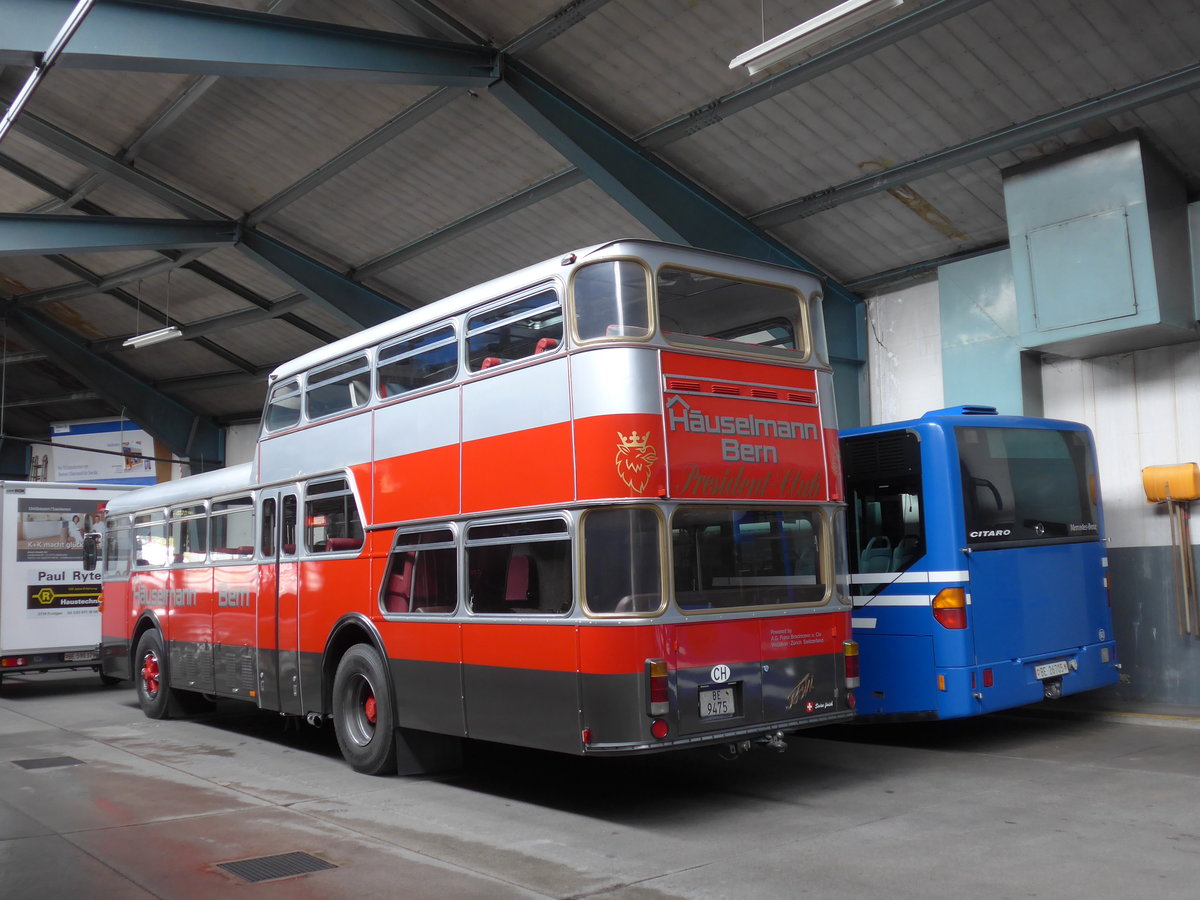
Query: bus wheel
point(362, 712)
point(154, 694)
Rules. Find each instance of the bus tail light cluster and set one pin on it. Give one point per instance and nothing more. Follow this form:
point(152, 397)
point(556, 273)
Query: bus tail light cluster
point(850, 653)
point(950, 608)
point(657, 687)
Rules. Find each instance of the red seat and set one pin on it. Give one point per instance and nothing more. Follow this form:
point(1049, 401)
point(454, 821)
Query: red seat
point(519, 585)
point(335, 544)
point(545, 345)
point(490, 361)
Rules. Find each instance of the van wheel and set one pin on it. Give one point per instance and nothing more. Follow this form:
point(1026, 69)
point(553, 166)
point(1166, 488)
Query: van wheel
point(363, 715)
point(151, 676)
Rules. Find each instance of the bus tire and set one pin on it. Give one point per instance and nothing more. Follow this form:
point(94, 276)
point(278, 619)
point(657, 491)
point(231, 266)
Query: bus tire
point(151, 676)
point(363, 714)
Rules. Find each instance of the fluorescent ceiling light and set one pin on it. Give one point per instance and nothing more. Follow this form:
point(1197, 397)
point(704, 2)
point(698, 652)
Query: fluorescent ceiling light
point(808, 33)
point(153, 337)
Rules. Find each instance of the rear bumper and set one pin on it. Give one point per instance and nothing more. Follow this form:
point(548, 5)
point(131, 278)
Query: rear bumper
point(734, 734)
point(1015, 682)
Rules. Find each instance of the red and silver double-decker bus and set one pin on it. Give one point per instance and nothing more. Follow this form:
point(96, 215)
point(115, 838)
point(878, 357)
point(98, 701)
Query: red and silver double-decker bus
point(593, 506)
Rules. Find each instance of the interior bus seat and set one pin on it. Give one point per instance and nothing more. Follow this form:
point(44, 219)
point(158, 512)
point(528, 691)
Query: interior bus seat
point(905, 553)
point(520, 586)
point(342, 544)
point(396, 593)
point(545, 345)
point(489, 361)
point(877, 555)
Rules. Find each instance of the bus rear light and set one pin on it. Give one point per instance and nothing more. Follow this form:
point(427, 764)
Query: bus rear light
point(850, 699)
point(659, 728)
point(9, 662)
point(988, 678)
point(950, 608)
point(850, 651)
point(586, 736)
point(941, 682)
point(658, 687)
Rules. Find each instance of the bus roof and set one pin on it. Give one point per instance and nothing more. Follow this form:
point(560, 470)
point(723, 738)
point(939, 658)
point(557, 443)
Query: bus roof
point(652, 251)
point(968, 415)
point(195, 487)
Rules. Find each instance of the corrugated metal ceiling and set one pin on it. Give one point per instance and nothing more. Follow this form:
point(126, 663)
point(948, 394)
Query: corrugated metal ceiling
point(235, 144)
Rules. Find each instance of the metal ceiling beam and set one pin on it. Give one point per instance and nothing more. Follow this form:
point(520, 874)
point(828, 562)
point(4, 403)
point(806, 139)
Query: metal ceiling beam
point(141, 308)
point(357, 304)
point(353, 302)
point(486, 216)
point(204, 271)
point(36, 235)
point(50, 401)
point(197, 39)
point(186, 433)
point(128, 275)
point(821, 64)
point(1005, 139)
point(673, 206)
point(689, 123)
point(213, 324)
point(546, 30)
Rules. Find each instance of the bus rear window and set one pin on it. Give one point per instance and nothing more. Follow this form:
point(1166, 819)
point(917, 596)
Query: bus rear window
point(740, 558)
point(696, 305)
point(1027, 485)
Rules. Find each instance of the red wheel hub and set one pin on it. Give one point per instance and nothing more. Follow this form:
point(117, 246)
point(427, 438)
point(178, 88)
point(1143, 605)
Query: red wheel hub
point(369, 709)
point(150, 674)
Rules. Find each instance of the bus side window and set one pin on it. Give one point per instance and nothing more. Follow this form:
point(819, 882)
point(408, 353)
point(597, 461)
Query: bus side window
point(413, 363)
point(422, 574)
point(520, 568)
point(331, 520)
point(610, 300)
point(515, 330)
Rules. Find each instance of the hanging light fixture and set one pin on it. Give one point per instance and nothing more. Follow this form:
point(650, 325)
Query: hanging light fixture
point(153, 337)
point(804, 35)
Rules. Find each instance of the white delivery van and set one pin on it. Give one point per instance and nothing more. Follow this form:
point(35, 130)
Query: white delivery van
point(49, 603)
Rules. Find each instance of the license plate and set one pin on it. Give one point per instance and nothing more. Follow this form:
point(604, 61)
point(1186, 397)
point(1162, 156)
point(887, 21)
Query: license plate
point(1050, 670)
point(77, 655)
point(716, 703)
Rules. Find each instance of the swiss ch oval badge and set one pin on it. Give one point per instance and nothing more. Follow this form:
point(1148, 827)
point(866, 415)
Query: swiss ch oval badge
point(635, 459)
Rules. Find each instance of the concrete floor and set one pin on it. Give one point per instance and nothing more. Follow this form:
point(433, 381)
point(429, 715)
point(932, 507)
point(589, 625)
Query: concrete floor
point(1036, 805)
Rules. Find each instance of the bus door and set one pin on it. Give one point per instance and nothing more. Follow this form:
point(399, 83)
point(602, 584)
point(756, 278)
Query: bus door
point(278, 608)
point(190, 600)
point(1033, 533)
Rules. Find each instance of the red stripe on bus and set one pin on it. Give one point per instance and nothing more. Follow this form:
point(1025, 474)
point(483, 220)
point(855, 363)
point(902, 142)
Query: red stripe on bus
point(416, 486)
point(526, 468)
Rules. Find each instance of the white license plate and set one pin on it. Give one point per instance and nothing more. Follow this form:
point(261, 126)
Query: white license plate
point(1050, 670)
point(77, 655)
point(717, 702)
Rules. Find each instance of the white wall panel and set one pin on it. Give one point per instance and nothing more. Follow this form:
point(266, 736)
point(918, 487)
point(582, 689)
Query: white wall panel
point(1143, 410)
point(904, 353)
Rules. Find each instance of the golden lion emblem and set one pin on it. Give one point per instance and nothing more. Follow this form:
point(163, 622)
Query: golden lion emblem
point(635, 459)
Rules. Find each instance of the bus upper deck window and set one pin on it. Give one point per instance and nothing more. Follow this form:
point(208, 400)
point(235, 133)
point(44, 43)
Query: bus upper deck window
point(283, 406)
point(711, 307)
point(610, 300)
point(412, 363)
point(528, 325)
point(337, 387)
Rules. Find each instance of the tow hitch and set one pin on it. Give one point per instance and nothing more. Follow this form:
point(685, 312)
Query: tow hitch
point(774, 741)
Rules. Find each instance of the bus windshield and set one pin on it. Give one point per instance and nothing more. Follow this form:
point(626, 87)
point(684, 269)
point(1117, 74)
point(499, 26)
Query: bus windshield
point(746, 557)
point(1027, 485)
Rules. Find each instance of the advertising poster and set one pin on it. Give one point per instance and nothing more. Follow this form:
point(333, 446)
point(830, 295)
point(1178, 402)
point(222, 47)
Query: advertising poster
point(50, 553)
point(122, 463)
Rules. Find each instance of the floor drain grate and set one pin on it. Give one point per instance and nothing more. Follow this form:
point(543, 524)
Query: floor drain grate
point(270, 868)
point(49, 762)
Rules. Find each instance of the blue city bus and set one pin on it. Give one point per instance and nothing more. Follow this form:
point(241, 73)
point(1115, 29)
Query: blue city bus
point(978, 563)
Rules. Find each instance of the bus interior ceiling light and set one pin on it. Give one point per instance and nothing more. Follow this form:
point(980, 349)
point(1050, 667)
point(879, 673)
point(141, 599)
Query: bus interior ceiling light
point(153, 337)
point(804, 35)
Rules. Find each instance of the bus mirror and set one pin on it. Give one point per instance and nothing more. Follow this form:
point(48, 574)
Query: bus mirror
point(91, 551)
